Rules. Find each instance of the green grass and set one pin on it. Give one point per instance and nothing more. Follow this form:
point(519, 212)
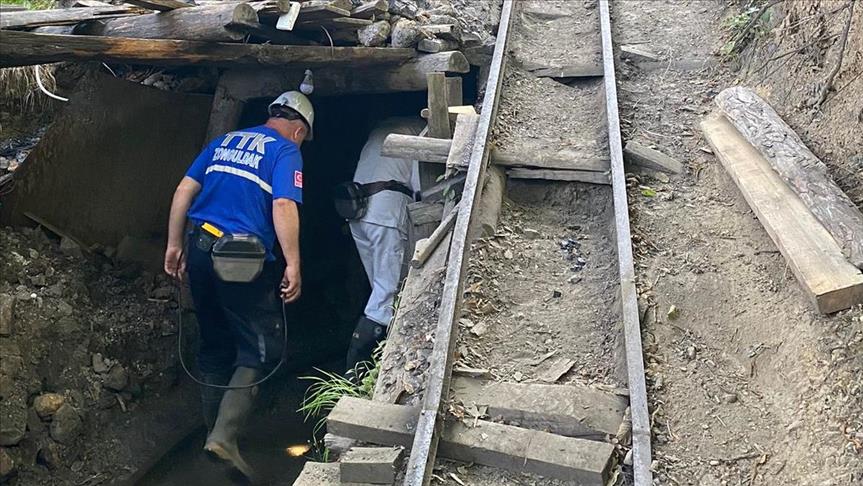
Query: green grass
point(31, 4)
point(735, 26)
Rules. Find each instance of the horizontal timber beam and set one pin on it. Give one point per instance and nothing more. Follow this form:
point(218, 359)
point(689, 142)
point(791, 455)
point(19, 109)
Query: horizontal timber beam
point(26, 48)
point(408, 76)
point(428, 149)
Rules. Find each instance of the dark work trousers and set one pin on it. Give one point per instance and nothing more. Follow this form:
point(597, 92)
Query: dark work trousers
point(240, 323)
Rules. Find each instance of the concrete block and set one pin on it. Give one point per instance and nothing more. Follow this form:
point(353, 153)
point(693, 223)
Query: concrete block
point(375, 465)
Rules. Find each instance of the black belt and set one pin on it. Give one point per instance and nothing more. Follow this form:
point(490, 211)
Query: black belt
point(376, 187)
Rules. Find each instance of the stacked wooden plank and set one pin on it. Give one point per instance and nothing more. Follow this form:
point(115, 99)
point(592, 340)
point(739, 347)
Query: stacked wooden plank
point(183, 31)
point(814, 224)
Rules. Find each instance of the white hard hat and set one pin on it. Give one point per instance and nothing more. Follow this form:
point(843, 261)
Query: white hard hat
point(299, 103)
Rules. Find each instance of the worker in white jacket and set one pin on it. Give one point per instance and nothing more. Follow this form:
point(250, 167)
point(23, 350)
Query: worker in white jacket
point(381, 233)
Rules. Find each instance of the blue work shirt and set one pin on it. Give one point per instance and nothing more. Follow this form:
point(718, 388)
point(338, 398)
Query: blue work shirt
point(241, 173)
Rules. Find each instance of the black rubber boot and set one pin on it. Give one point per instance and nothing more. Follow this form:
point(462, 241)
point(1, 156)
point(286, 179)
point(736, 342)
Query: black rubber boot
point(367, 335)
point(233, 412)
point(212, 397)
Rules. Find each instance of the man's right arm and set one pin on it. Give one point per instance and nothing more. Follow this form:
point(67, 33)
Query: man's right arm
point(286, 220)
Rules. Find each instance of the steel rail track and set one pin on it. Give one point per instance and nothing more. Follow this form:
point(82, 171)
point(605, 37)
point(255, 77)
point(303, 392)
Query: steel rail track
point(430, 423)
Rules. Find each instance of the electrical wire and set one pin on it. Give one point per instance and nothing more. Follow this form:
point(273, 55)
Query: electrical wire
point(43, 88)
point(228, 387)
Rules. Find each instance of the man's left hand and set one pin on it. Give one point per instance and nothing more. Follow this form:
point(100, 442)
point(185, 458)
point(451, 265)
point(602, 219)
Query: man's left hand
point(291, 284)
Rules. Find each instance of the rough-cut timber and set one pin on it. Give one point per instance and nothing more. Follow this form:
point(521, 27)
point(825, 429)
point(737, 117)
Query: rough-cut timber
point(828, 279)
point(797, 166)
point(371, 9)
point(589, 177)
point(426, 246)
point(570, 410)
point(643, 156)
point(374, 465)
point(160, 5)
point(426, 149)
point(488, 212)
point(61, 16)
point(225, 113)
point(388, 77)
point(585, 462)
point(25, 48)
point(207, 23)
point(438, 121)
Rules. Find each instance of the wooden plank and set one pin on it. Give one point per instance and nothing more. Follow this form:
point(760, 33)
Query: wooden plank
point(436, 192)
point(643, 156)
point(827, 278)
point(804, 173)
point(374, 465)
point(437, 150)
point(488, 212)
point(160, 5)
point(427, 246)
point(425, 212)
point(322, 10)
point(61, 16)
point(25, 48)
point(589, 177)
point(454, 90)
point(410, 326)
point(569, 71)
point(462, 141)
point(207, 23)
point(641, 453)
point(225, 113)
point(570, 410)
point(516, 449)
point(438, 121)
point(395, 76)
point(429, 426)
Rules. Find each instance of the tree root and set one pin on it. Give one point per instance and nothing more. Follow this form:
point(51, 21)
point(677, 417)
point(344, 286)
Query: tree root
point(828, 83)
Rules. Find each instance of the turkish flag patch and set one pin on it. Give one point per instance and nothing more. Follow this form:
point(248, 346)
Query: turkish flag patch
point(298, 179)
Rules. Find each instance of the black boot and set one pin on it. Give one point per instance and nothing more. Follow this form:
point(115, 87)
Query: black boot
point(212, 397)
point(233, 412)
point(367, 335)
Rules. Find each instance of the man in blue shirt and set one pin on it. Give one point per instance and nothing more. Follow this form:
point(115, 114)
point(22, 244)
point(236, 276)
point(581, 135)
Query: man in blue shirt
point(246, 182)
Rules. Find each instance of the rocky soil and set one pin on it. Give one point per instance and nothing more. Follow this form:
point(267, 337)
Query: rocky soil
point(87, 362)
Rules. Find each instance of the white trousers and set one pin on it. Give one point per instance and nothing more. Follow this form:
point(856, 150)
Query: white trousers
point(382, 251)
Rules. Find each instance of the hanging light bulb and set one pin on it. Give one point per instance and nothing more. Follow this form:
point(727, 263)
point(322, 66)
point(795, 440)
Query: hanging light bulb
point(308, 84)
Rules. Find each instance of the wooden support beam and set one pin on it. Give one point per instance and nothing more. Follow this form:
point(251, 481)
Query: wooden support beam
point(25, 48)
point(453, 110)
point(425, 212)
point(490, 205)
point(454, 184)
point(437, 150)
point(641, 449)
point(427, 246)
point(26, 19)
point(438, 120)
point(490, 444)
point(207, 23)
point(389, 76)
point(590, 177)
point(225, 114)
point(429, 425)
point(323, 10)
point(410, 326)
point(571, 410)
point(160, 5)
point(454, 90)
point(643, 156)
point(827, 278)
point(462, 142)
point(804, 173)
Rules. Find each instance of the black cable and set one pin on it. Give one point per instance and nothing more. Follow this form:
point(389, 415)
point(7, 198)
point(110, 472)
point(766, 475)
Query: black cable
point(228, 387)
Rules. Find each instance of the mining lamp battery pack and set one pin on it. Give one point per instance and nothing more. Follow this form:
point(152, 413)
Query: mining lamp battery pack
point(238, 258)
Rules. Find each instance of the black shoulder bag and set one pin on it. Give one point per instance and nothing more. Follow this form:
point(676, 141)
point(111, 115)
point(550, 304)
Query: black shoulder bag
point(351, 198)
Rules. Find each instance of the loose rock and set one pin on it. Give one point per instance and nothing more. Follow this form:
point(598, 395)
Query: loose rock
point(47, 404)
point(66, 424)
point(375, 35)
point(8, 468)
point(7, 309)
point(13, 421)
point(99, 365)
point(117, 378)
point(405, 33)
point(49, 455)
